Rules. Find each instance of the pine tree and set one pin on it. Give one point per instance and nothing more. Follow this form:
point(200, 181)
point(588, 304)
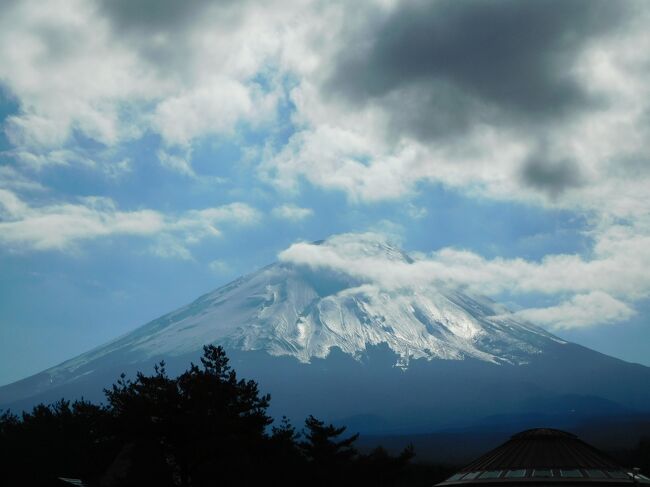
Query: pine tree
point(205, 427)
point(207, 422)
point(321, 445)
point(331, 459)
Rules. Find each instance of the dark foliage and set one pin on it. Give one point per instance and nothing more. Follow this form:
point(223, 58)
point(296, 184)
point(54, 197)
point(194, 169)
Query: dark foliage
point(66, 439)
point(330, 459)
point(205, 427)
point(639, 456)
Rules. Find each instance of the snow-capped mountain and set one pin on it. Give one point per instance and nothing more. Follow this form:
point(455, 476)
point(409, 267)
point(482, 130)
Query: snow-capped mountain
point(300, 328)
point(288, 309)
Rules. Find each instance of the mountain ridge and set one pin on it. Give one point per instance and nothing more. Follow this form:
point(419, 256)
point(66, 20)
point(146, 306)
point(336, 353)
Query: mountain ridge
point(403, 354)
point(279, 309)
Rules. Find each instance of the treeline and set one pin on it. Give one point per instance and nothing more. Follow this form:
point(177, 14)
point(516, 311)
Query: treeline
point(205, 427)
point(639, 456)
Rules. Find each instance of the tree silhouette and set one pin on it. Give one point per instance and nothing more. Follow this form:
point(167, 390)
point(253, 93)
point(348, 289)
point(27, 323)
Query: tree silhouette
point(204, 427)
point(330, 457)
point(207, 423)
point(223, 420)
point(62, 439)
point(381, 469)
point(320, 445)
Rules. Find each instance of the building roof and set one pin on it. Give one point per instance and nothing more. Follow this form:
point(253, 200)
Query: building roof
point(77, 482)
point(544, 456)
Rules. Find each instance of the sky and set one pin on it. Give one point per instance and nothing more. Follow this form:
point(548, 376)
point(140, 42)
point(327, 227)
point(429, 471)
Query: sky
point(153, 150)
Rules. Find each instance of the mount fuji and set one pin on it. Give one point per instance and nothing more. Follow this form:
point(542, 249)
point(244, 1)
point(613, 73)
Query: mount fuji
point(409, 357)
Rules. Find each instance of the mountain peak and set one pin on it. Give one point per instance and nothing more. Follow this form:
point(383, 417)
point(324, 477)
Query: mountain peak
point(304, 308)
point(334, 251)
point(342, 312)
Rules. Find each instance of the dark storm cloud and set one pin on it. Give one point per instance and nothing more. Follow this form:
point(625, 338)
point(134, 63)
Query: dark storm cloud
point(138, 23)
point(155, 15)
point(441, 66)
point(549, 176)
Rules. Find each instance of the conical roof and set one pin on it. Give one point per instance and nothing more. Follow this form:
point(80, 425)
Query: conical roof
point(544, 455)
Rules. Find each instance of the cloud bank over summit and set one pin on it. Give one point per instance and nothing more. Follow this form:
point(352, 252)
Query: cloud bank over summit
point(591, 300)
point(504, 141)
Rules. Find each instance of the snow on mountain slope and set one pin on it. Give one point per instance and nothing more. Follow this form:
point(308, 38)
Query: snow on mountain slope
point(292, 309)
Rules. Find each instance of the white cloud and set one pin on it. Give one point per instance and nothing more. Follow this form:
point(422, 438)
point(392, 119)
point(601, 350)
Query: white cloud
point(10, 178)
point(119, 169)
point(62, 226)
point(111, 76)
point(102, 161)
point(48, 159)
point(195, 225)
point(219, 267)
point(170, 248)
point(177, 163)
point(11, 205)
point(213, 108)
point(601, 288)
point(354, 148)
point(75, 70)
point(67, 75)
point(336, 158)
point(416, 212)
point(595, 308)
point(390, 231)
point(292, 212)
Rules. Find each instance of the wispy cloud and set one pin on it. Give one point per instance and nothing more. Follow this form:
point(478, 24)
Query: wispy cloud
point(595, 308)
point(63, 226)
point(178, 163)
point(219, 267)
point(10, 178)
point(292, 212)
